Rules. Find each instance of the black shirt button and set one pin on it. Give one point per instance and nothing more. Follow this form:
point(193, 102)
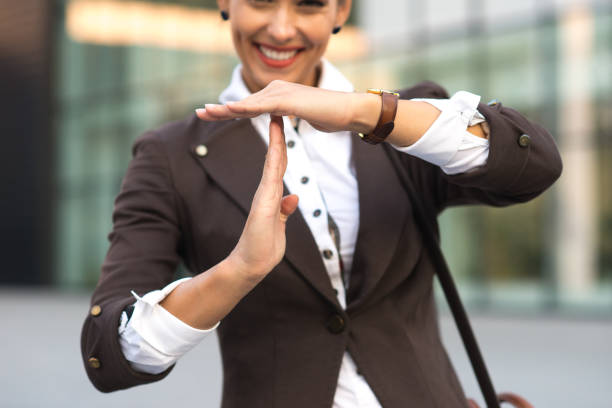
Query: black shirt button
point(304, 180)
point(290, 143)
point(336, 324)
point(328, 254)
point(316, 213)
point(524, 140)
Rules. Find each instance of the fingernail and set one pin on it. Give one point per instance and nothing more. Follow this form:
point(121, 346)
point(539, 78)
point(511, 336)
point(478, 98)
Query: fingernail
point(200, 111)
point(231, 103)
point(210, 105)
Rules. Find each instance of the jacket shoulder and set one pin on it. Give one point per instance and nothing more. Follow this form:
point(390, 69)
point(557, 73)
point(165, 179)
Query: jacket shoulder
point(425, 89)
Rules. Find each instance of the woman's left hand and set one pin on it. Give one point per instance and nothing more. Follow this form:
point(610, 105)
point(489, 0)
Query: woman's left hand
point(325, 110)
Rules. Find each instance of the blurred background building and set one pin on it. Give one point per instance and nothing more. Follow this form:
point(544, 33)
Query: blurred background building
point(82, 79)
point(86, 77)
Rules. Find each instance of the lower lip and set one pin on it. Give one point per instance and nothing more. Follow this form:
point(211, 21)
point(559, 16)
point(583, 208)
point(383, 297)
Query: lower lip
point(275, 63)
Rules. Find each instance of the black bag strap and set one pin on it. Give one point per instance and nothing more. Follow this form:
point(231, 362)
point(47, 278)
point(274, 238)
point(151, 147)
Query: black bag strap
point(448, 285)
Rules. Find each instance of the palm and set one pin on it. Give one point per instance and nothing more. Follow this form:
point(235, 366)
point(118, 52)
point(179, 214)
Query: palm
point(262, 243)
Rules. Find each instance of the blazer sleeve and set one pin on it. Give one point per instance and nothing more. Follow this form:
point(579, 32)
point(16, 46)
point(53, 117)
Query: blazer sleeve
point(515, 171)
point(144, 252)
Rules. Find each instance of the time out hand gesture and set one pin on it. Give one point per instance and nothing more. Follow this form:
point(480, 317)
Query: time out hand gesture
point(262, 243)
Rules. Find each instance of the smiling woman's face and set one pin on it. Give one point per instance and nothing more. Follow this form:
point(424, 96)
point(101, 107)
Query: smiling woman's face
point(282, 39)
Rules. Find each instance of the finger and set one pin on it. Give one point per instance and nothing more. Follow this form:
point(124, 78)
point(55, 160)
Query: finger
point(212, 112)
point(270, 188)
point(277, 131)
point(278, 121)
point(288, 206)
point(245, 106)
point(271, 179)
point(274, 145)
point(219, 111)
point(254, 106)
point(203, 114)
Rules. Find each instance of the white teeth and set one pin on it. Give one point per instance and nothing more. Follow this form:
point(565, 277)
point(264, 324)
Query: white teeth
point(277, 55)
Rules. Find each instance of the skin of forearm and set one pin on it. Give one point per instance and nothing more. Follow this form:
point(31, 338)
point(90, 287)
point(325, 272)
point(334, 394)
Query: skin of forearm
point(412, 120)
point(209, 296)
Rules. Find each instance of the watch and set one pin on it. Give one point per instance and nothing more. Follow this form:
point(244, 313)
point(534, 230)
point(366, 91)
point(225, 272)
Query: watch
point(385, 124)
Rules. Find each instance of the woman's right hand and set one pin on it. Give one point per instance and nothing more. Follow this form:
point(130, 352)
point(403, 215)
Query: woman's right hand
point(207, 298)
point(262, 243)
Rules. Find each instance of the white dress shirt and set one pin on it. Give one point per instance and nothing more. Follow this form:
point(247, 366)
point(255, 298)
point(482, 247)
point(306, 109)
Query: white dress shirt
point(320, 171)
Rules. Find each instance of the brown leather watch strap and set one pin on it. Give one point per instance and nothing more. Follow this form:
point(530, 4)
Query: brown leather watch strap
point(385, 124)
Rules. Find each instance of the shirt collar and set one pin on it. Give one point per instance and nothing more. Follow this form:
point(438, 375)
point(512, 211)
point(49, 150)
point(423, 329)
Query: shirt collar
point(331, 79)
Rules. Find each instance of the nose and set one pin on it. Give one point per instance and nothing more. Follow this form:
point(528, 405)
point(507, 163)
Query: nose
point(282, 26)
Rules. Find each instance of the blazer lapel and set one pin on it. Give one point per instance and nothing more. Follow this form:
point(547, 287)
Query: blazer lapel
point(382, 216)
point(233, 157)
point(303, 253)
point(234, 160)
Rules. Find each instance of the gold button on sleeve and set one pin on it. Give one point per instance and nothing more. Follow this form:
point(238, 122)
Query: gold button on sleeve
point(93, 362)
point(524, 140)
point(95, 310)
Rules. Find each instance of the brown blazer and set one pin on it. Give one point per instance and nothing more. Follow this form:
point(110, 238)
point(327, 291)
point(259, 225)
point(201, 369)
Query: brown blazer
point(283, 343)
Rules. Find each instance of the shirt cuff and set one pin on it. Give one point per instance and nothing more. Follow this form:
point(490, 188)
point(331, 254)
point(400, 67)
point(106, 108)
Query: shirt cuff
point(160, 328)
point(447, 143)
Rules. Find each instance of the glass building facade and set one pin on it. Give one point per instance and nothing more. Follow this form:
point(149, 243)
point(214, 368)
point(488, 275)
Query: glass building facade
point(550, 62)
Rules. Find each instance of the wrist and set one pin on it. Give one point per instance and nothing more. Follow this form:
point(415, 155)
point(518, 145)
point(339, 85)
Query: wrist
point(366, 112)
point(242, 271)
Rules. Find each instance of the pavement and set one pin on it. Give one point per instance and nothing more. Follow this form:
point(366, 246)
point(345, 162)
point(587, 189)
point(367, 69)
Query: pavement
point(554, 362)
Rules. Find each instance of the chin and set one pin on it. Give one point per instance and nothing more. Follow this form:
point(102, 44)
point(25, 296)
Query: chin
point(264, 79)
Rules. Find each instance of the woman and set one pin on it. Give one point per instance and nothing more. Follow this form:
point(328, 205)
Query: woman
point(330, 306)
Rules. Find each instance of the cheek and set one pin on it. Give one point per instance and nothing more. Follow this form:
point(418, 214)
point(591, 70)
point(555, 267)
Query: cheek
point(243, 28)
point(321, 41)
point(317, 31)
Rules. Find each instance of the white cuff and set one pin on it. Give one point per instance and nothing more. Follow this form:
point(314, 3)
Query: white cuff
point(153, 338)
point(162, 329)
point(447, 143)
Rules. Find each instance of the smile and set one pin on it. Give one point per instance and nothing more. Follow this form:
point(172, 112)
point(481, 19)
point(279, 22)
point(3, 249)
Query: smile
point(276, 55)
point(277, 58)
